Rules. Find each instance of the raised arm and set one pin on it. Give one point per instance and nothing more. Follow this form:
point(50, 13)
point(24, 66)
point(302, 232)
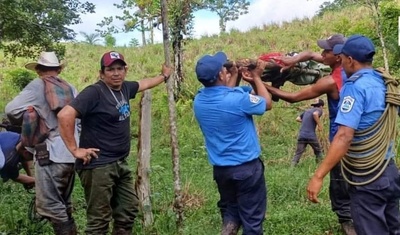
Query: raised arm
point(325, 85)
point(254, 78)
point(290, 61)
point(149, 83)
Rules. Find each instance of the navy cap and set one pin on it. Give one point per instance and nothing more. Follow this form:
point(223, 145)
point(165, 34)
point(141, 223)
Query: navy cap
point(358, 47)
point(329, 43)
point(318, 103)
point(208, 67)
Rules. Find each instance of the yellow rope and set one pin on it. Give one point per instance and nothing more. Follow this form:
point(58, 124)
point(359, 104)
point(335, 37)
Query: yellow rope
point(375, 140)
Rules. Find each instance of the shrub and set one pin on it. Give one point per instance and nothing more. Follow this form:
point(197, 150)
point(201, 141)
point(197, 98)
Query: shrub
point(19, 78)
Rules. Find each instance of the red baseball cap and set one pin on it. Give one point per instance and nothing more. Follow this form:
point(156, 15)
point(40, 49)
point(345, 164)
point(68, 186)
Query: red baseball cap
point(110, 57)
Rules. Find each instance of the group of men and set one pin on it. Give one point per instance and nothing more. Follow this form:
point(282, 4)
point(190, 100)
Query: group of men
point(367, 204)
point(96, 145)
point(92, 136)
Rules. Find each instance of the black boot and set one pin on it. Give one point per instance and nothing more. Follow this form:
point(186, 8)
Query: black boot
point(65, 228)
point(348, 228)
point(230, 228)
point(121, 231)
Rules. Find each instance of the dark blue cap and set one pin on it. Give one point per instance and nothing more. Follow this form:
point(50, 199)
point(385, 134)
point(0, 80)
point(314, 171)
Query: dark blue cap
point(329, 43)
point(208, 67)
point(358, 47)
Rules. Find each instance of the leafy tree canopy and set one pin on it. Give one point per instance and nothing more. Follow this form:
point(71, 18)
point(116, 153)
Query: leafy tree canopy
point(30, 26)
point(227, 10)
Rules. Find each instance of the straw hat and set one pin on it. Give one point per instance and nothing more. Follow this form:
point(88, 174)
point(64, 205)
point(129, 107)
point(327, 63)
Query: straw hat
point(48, 59)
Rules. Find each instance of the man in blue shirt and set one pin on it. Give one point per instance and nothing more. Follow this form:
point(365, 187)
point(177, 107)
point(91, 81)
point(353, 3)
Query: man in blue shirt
point(331, 86)
point(11, 154)
point(374, 196)
point(224, 113)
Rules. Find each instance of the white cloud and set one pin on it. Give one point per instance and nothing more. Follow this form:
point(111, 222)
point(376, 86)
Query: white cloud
point(263, 12)
point(206, 23)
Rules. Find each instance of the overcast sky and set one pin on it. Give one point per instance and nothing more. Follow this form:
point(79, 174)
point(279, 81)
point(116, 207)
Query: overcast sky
point(206, 23)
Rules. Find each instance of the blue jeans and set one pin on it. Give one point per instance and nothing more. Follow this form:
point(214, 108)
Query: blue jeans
point(109, 194)
point(243, 195)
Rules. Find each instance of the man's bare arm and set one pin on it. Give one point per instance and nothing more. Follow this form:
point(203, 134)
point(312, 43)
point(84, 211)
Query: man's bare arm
point(317, 120)
point(325, 85)
point(336, 152)
point(301, 57)
point(66, 125)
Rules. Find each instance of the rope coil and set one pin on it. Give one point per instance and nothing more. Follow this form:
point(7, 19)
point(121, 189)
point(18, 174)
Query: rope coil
point(375, 140)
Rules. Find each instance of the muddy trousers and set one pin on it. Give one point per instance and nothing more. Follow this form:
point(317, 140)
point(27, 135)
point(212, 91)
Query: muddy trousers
point(109, 194)
point(54, 184)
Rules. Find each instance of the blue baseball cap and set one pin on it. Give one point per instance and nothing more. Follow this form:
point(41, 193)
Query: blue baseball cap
point(358, 47)
point(208, 67)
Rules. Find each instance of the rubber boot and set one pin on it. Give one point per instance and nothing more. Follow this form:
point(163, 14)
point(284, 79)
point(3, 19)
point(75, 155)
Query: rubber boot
point(121, 231)
point(348, 228)
point(65, 228)
point(230, 228)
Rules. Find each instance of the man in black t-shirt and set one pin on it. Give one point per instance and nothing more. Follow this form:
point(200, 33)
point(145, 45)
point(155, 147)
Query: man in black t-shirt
point(104, 144)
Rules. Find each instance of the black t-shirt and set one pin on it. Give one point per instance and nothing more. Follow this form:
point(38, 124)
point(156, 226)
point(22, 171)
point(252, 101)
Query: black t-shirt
point(105, 121)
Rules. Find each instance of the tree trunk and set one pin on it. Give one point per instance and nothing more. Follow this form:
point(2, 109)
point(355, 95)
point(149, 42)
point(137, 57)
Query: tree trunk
point(375, 10)
point(151, 31)
point(142, 29)
point(142, 184)
point(222, 25)
point(178, 207)
point(178, 55)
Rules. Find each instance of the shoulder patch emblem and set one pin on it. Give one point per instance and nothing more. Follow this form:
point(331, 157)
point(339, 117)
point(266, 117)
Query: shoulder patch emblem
point(347, 104)
point(254, 99)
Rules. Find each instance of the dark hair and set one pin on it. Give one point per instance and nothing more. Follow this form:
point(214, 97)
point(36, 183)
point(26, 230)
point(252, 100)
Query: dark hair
point(43, 68)
point(208, 83)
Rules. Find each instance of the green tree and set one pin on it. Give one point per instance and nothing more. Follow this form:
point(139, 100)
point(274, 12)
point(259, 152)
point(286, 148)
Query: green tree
point(109, 40)
point(227, 10)
point(378, 18)
point(27, 27)
point(335, 5)
point(91, 38)
point(134, 42)
point(137, 15)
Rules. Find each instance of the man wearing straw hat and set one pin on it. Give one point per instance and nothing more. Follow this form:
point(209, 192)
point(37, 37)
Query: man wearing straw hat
point(54, 172)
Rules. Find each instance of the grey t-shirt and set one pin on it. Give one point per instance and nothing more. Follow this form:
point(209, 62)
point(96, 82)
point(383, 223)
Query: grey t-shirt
point(308, 124)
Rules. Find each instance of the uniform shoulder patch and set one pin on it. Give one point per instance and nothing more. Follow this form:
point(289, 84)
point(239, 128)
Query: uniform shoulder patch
point(347, 104)
point(254, 99)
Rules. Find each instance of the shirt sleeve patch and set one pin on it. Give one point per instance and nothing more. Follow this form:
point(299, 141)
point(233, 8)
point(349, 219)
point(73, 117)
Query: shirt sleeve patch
point(254, 99)
point(347, 104)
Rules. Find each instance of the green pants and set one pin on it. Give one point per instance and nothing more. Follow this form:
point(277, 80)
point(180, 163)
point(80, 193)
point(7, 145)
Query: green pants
point(109, 194)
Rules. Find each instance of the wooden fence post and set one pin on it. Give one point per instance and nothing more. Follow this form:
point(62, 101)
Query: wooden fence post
point(142, 184)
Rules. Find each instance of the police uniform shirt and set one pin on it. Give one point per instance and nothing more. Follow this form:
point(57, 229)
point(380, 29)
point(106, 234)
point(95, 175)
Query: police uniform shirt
point(362, 100)
point(224, 115)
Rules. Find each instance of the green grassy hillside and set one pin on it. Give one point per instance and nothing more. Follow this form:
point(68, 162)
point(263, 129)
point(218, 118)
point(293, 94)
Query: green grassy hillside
point(288, 210)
